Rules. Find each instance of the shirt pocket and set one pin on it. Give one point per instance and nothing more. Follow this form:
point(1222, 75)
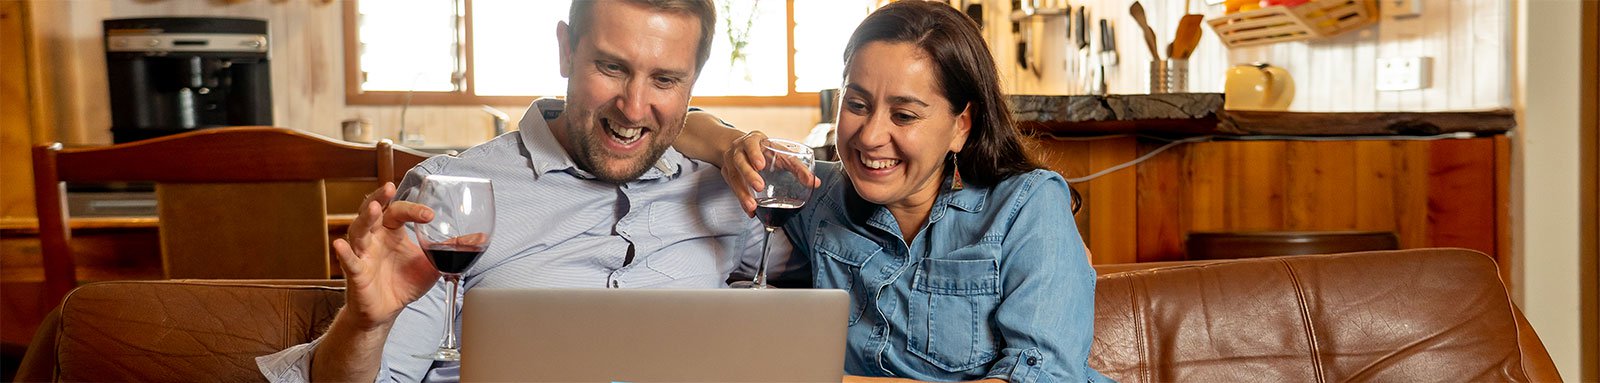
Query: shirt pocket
point(952, 299)
point(692, 241)
point(840, 256)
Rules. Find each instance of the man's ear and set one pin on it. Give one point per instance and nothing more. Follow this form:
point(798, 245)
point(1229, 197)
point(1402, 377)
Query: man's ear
point(563, 49)
point(963, 126)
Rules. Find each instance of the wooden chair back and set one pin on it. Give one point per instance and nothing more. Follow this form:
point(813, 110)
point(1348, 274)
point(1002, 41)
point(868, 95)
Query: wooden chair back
point(242, 202)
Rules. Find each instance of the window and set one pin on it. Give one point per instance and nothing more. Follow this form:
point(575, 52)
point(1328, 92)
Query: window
point(503, 51)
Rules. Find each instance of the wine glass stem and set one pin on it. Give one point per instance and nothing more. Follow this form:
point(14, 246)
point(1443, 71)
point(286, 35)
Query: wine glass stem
point(761, 267)
point(449, 341)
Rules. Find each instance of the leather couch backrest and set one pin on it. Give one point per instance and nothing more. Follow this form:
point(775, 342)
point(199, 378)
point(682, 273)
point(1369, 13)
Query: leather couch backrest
point(1416, 315)
point(1413, 315)
point(149, 331)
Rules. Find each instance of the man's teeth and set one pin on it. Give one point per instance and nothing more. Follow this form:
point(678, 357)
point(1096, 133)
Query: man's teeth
point(626, 135)
point(879, 164)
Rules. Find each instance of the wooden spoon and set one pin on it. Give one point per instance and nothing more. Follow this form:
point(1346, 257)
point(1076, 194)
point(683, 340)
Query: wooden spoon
point(1149, 34)
point(1188, 36)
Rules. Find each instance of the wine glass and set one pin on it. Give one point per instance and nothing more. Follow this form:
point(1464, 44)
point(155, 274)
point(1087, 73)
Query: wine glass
point(788, 168)
point(463, 220)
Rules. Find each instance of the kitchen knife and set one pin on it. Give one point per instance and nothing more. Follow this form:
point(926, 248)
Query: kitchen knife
point(1108, 44)
point(1081, 22)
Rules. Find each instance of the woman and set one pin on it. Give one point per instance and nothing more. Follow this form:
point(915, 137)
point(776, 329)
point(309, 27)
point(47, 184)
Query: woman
point(959, 253)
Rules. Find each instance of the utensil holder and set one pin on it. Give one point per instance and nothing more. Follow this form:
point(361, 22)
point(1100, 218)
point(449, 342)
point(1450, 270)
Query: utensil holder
point(1169, 76)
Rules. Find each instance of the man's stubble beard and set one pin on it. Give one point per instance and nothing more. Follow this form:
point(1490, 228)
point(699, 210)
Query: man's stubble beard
point(590, 155)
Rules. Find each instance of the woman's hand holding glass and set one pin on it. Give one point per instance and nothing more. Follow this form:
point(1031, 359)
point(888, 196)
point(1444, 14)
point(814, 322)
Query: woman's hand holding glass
point(743, 163)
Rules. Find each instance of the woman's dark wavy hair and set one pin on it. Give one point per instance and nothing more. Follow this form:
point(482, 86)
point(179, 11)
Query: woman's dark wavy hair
point(966, 73)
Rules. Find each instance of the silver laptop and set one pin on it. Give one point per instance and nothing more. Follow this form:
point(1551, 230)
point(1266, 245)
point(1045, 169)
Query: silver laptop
point(623, 335)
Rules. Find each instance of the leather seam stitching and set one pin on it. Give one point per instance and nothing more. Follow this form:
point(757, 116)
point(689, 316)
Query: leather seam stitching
point(1305, 318)
point(1137, 296)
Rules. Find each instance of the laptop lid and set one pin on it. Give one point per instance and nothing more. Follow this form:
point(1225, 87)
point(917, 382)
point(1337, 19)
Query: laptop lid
point(635, 335)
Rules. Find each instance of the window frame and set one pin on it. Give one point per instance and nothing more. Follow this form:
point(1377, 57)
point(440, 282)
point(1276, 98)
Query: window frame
point(353, 95)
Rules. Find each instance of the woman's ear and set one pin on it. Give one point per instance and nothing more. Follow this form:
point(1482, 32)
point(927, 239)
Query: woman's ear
point(963, 126)
point(563, 49)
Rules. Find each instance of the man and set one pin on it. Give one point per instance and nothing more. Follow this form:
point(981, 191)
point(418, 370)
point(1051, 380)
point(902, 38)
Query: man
point(588, 194)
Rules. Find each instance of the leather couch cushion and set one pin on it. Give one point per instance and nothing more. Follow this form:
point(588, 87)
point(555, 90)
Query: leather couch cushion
point(161, 331)
point(1438, 314)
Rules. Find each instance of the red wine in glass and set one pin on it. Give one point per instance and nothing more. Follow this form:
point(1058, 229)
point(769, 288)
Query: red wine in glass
point(451, 259)
point(776, 211)
point(460, 230)
point(788, 163)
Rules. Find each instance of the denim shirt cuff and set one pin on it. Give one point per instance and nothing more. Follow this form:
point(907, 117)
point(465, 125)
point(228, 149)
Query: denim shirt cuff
point(1026, 366)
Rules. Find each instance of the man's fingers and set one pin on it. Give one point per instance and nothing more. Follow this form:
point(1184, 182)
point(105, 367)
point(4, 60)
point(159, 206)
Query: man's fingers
point(400, 212)
point(371, 209)
point(348, 261)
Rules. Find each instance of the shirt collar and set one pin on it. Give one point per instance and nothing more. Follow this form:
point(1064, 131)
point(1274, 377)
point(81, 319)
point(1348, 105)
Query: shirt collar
point(546, 154)
point(970, 199)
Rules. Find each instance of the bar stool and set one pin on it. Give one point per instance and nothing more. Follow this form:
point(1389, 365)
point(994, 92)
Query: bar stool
point(1231, 245)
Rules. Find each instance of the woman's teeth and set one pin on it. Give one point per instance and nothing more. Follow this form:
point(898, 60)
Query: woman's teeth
point(879, 164)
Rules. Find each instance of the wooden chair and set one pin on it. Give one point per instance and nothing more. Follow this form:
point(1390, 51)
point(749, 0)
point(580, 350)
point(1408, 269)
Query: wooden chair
point(233, 203)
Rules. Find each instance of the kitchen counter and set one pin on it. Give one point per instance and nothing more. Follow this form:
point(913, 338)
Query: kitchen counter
point(1180, 115)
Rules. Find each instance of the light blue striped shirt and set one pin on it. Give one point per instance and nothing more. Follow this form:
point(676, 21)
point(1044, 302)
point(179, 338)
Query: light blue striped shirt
point(556, 226)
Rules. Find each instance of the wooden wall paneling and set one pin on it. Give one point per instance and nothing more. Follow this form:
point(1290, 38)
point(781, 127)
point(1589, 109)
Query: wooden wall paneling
point(1461, 201)
point(1160, 204)
point(1364, 61)
point(1205, 189)
point(1255, 192)
point(1115, 204)
point(1434, 42)
point(1374, 189)
point(1502, 208)
point(1457, 74)
point(1491, 52)
point(1320, 183)
point(16, 119)
point(1411, 193)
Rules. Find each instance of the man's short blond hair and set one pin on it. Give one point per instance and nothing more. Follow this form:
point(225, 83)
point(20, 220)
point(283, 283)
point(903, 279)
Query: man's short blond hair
point(582, 12)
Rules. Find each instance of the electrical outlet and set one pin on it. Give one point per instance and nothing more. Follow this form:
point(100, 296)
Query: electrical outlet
point(1401, 8)
point(1404, 73)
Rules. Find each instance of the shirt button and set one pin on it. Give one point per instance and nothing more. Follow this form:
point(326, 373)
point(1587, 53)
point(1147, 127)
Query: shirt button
point(1033, 361)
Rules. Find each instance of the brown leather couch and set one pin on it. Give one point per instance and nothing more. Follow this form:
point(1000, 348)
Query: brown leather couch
point(1411, 315)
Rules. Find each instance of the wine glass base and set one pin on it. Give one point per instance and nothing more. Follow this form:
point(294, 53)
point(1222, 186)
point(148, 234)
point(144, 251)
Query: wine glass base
point(443, 355)
point(747, 285)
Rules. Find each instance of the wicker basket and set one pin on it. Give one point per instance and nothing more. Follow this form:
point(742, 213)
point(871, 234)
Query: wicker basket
point(1314, 19)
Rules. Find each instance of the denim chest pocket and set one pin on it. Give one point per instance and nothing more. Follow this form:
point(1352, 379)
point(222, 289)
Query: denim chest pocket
point(841, 254)
point(952, 300)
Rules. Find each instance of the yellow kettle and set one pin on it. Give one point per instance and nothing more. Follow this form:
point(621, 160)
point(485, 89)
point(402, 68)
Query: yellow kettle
point(1257, 86)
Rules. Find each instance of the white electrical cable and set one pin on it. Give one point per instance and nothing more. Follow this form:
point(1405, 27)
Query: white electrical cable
point(1136, 161)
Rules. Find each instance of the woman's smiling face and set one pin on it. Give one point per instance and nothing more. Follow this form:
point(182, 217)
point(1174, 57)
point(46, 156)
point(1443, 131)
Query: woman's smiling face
point(895, 125)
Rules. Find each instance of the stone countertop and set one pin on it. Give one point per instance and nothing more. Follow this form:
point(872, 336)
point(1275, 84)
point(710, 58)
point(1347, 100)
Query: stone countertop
point(1198, 114)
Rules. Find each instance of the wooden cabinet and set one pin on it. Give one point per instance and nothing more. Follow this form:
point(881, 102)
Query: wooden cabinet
point(1439, 193)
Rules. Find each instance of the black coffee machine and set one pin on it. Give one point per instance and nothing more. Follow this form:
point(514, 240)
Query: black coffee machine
point(171, 75)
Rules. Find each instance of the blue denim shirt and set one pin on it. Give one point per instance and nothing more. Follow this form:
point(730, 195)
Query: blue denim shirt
point(996, 285)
